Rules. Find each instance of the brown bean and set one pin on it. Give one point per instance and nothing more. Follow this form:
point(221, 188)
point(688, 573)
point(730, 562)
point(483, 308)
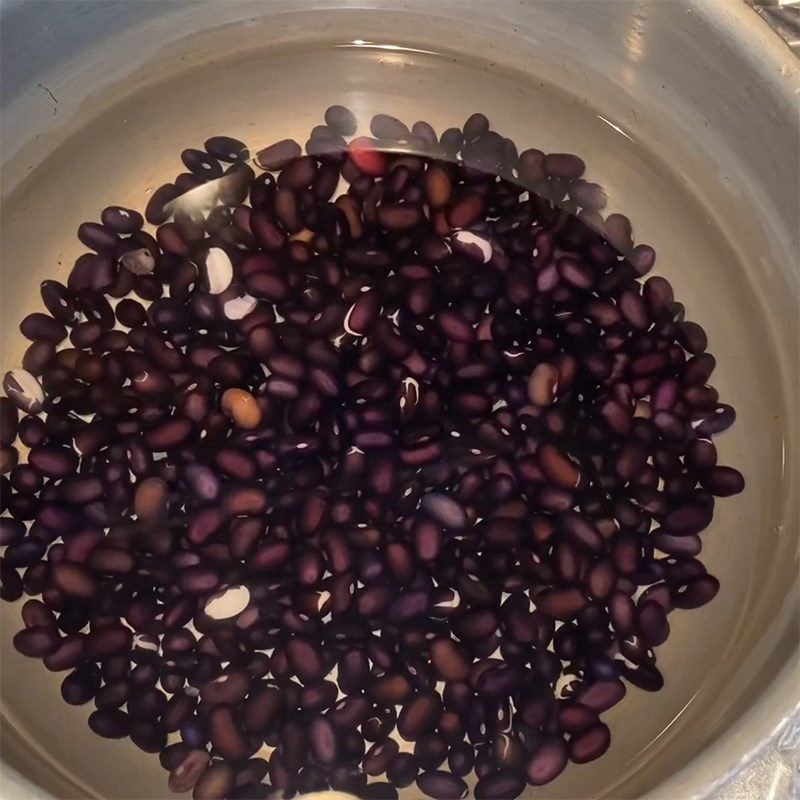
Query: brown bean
point(558, 467)
point(241, 407)
point(543, 384)
point(150, 500)
point(561, 604)
point(450, 661)
point(438, 186)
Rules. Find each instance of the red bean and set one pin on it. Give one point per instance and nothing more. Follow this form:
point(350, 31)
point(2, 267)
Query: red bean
point(366, 157)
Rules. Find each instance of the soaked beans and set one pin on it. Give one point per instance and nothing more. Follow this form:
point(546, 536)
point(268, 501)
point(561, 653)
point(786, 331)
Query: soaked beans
point(435, 434)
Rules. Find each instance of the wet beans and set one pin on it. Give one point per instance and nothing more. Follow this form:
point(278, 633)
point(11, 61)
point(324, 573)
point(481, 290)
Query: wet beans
point(431, 434)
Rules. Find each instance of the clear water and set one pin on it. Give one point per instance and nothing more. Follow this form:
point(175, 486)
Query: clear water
point(130, 144)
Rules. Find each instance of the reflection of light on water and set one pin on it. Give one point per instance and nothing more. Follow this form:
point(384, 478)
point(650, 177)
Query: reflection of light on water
point(666, 728)
point(615, 127)
point(367, 45)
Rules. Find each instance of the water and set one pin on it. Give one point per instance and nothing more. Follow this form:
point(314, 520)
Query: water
point(129, 147)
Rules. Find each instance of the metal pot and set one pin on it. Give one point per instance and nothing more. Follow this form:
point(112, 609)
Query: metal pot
point(685, 111)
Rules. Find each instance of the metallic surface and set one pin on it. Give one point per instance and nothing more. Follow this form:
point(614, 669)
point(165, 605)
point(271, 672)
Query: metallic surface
point(686, 113)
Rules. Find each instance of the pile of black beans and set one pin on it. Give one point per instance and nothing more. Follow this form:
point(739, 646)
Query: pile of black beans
point(450, 449)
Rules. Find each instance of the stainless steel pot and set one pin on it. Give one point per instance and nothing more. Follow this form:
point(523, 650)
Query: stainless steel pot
point(686, 112)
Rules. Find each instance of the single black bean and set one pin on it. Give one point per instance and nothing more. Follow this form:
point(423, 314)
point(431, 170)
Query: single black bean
point(81, 685)
point(442, 785)
point(499, 784)
point(215, 782)
point(341, 120)
point(37, 641)
point(110, 723)
point(227, 149)
point(380, 756)
point(187, 772)
point(696, 593)
point(121, 220)
point(277, 155)
point(97, 237)
point(419, 715)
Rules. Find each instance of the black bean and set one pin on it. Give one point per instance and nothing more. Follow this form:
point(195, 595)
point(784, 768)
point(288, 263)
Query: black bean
point(148, 735)
point(227, 149)
point(683, 546)
point(54, 462)
point(59, 302)
point(589, 744)
point(652, 624)
point(37, 357)
point(102, 643)
point(476, 125)
point(12, 531)
point(156, 211)
point(431, 749)
point(228, 688)
point(277, 155)
point(215, 782)
point(97, 237)
point(121, 220)
point(442, 785)
point(8, 459)
point(260, 709)
point(37, 641)
point(81, 685)
point(379, 791)
point(24, 553)
point(561, 604)
point(696, 593)
point(547, 761)
point(499, 784)
point(687, 519)
point(419, 715)
point(563, 165)
point(380, 756)
point(341, 120)
point(445, 510)
point(721, 419)
point(201, 164)
point(226, 734)
point(110, 723)
point(723, 481)
point(187, 772)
